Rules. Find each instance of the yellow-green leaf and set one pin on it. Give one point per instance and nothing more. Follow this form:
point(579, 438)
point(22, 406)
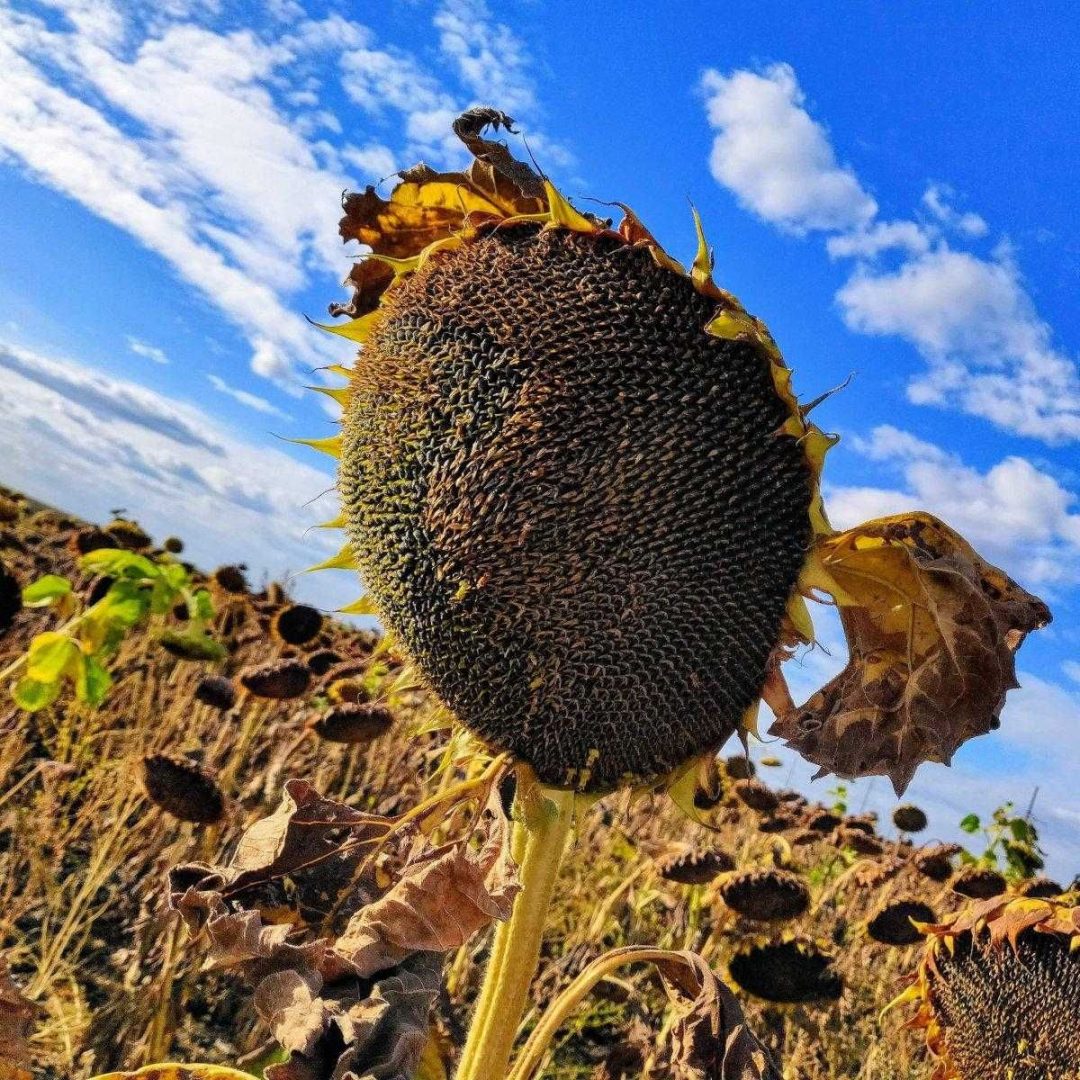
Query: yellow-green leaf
point(45, 590)
point(51, 655)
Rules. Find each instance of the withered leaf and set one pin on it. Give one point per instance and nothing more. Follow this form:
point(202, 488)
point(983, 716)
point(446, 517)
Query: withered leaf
point(16, 1024)
point(345, 949)
point(710, 1038)
point(932, 631)
point(437, 904)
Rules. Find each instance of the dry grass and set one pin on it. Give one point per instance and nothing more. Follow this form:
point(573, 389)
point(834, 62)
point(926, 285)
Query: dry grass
point(83, 853)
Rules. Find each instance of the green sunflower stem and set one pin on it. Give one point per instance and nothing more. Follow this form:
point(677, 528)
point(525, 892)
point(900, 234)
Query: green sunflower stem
point(537, 843)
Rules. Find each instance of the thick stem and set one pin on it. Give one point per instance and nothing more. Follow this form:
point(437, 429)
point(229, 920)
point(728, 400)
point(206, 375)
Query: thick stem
point(537, 843)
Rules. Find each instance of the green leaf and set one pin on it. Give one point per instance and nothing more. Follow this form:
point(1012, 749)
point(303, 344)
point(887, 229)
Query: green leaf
point(32, 695)
point(50, 656)
point(115, 562)
point(201, 606)
point(93, 682)
point(174, 575)
point(970, 823)
point(126, 604)
point(192, 645)
point(1023, 831)
point(45, 590)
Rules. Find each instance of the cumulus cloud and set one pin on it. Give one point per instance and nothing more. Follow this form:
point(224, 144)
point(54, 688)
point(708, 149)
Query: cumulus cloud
point(969, 315)
point(111, 442)
point(147, 351)
point(974, 320)
point(778, 161)
point(1014, 513)
point(937, 198)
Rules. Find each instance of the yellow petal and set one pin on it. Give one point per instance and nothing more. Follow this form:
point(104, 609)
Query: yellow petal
point(562, 213)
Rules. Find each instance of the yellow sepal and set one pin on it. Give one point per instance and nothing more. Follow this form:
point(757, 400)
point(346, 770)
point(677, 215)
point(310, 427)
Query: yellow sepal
point(330, 446)
point(364, 606)
point(562, 213)
point(343, 560)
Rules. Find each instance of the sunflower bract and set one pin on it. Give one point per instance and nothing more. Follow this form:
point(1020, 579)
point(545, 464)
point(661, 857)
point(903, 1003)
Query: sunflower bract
point(571, 503)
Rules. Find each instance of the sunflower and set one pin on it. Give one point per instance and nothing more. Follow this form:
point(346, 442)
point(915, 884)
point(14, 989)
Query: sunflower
point(998, 990)
point(584, 497)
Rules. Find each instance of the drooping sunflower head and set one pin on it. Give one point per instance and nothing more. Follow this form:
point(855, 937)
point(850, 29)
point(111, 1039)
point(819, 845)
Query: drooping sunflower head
point(575, 478)
point(998, 991)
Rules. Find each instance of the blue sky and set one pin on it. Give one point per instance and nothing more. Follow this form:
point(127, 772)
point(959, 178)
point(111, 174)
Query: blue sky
point(892, 192)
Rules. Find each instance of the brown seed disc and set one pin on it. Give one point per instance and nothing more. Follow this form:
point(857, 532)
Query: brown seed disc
point(908, 818)
point(787, 972)
point(935, 861)
point(216, 691)
point(892, 924)
point(978, 882)
point(694, 867)
point(231, 579)
point(283, 679)
point(757, 796)
point(546, 459)
point(353, 723)
point(319, 663)
point(1009, 1013)
point(766, 895)
point(10, 598)
point(297, 624)
point(1041, 887)
point(183, 789)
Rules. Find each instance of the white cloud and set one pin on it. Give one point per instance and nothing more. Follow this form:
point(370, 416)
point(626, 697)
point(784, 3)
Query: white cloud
point(1014, 514)
point(1072, 669)
point(147, 351)
point(252, 401)
point(776, 159)
point(108, 440)
point(491, 60)
point(879, 237)
point(970, 316)
point(936, 200)
point(237, 209)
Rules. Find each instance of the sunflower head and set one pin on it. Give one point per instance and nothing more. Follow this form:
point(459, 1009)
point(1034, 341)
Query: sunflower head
point(787, 972)
point(585, 499)
point(998, 991)
point(768, 895)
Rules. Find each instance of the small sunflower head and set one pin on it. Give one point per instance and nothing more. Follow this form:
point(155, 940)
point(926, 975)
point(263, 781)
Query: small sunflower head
point(691, 866)
point(936, 861)
point(585, 499)
point(297, 624)
point(998, 990)
point(895, 922)
point(279, 680)
point(978, 882)
point(766, 895)
point(909, 818)
point(789, 972)
point(353, 722)
point(217, 691)
point(183, 789)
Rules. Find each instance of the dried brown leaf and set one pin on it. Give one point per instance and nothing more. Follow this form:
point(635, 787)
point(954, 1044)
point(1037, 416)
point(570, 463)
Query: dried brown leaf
point(932, 630)
point(710, 1039)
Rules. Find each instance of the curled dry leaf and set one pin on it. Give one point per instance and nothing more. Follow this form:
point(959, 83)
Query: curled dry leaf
point(932, 630)
point(339, 919)
point(710, 1039)
point(16, 1023)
